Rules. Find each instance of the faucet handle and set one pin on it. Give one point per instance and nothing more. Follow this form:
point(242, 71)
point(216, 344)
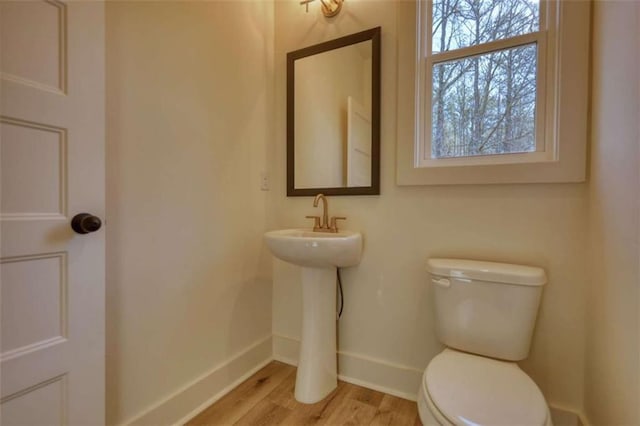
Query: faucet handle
point(334, 222)
point(316, 222)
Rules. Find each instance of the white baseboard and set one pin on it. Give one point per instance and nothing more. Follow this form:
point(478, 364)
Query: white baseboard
point(286, 349)
point(566, 417)
point(394, 379)
point(376, 374)
point(208, 388)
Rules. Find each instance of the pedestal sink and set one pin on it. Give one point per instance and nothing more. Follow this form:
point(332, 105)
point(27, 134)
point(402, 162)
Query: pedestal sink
point(319, 254)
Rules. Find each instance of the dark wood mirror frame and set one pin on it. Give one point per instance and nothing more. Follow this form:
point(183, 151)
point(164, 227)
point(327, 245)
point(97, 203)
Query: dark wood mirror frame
point(373, 35)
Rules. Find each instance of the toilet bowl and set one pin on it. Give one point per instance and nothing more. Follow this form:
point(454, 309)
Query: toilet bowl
point(485, 315)
point(458, 388)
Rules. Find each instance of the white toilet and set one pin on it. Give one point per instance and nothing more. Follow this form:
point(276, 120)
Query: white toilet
point(485, 314)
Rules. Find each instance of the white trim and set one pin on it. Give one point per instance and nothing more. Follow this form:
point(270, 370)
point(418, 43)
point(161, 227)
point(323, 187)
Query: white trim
point(488, 160)
point(222, 393)
point(408, 396)
point(484, 48)
point(384, 376)
point(388, 377)
point(372, 373)
point(566, 417)
point(286, 349)
point(566, 111)
point(196, 395)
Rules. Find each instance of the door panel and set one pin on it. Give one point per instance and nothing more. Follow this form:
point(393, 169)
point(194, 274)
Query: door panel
point(51, 168)
point(39, 152)
point(43, 404)
point(33, 302)
point(358, 144)
point(34, 43)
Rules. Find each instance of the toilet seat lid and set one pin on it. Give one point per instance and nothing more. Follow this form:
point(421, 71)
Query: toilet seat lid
point(473, 390)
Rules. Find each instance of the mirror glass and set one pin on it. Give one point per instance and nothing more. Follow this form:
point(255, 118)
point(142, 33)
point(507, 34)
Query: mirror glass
point(333, 114)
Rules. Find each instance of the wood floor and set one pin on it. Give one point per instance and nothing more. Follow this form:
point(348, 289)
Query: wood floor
point(266, 398)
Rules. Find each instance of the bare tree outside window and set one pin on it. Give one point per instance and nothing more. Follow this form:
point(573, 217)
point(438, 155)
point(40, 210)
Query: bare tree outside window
point(483, 104)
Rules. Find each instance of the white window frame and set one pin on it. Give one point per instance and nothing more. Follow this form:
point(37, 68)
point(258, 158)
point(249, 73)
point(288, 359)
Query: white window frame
point(545, 66)
point(561, 110)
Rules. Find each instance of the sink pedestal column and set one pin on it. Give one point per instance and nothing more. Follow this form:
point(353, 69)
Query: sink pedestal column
point(317, 372)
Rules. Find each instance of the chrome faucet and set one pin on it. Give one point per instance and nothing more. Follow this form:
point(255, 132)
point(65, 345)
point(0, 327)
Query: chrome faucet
point(323, 225)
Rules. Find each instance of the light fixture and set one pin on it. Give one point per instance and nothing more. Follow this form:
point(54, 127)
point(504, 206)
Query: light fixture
point(329, 7)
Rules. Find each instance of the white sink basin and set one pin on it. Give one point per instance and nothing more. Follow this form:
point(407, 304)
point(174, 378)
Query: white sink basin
point(303, 247)
point(319, 254)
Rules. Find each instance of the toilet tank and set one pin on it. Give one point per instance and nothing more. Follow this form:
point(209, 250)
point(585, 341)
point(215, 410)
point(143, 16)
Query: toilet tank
point(486, 308)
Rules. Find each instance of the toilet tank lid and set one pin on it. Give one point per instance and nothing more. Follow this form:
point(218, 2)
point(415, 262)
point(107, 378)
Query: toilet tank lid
point(487, 271)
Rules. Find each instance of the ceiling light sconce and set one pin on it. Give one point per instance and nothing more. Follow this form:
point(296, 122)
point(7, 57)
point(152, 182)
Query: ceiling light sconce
point(329, 7)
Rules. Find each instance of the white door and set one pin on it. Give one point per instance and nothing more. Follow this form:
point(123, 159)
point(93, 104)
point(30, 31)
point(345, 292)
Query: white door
point(358, 144)
point(51, 168)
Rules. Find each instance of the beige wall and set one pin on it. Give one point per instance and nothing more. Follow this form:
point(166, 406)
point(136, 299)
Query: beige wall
point(613, 339)
point(388, 312)
point(189, 131)
point(189, 93)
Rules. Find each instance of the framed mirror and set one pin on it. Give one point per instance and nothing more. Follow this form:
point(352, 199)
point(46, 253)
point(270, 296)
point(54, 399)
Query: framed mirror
point(333, 117)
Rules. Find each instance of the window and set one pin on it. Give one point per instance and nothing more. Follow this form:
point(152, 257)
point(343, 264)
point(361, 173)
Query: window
point(483, 70)
point(491, 91)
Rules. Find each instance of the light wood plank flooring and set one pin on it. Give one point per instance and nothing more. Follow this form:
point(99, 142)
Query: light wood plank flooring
point(266, 398)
